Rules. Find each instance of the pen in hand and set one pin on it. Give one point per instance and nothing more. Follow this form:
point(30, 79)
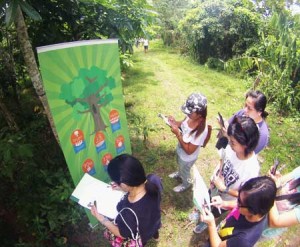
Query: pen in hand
point(214, 204)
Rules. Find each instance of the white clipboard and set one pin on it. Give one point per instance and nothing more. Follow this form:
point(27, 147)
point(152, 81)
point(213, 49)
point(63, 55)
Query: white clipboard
point(91, 189)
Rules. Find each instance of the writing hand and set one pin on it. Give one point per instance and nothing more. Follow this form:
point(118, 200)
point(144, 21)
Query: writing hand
point(114, 186)
point(216, 201)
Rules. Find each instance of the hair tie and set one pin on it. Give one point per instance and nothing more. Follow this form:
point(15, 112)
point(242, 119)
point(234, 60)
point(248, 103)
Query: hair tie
point(146, 181)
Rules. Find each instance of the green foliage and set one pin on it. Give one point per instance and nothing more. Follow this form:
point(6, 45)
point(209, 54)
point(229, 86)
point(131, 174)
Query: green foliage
point(125, 61)
point(276, 61)
point(13, 5)
point(141, 129)
point(215, 63)
point(219, 29)
point(35, 187)
point(168, 18)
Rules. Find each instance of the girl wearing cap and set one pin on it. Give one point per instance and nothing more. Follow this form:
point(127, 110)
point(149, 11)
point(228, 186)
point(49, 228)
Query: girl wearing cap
point(192, 133)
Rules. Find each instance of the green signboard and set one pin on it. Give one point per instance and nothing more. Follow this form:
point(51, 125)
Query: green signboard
point(83, 86)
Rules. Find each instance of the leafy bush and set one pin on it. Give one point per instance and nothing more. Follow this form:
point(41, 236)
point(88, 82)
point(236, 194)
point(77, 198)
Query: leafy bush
point(215, 63)
point(34, 190)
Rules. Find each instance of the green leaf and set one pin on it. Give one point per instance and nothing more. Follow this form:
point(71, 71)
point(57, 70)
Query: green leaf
point(30, 11)
point(11, 12)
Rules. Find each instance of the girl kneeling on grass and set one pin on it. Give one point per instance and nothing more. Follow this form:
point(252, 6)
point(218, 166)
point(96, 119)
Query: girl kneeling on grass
point(192, 133)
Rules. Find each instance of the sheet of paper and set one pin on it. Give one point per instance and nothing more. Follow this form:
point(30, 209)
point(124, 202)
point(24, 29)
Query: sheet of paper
point(200, 191)
point(90, 189)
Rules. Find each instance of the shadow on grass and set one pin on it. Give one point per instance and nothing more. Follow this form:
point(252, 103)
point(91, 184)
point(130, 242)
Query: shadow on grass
point(140, 77)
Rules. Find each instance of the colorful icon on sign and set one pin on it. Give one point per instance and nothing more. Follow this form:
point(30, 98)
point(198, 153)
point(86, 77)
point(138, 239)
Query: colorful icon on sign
point(77, 140)
point(99, 141)
point(120, 144)
point(88, 167)
point(105, 160)
point(114, 118)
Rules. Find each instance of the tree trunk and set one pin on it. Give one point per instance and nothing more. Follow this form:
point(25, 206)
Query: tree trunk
point(8, 117)
point(31, 66)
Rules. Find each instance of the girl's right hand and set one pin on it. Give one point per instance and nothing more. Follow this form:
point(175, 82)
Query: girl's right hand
point(276, 178)
point(171, 120)
point(115, 186)
point(217, 201)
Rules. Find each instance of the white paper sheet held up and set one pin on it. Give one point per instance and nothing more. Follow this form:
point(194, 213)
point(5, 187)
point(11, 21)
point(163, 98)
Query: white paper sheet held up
point(90, 189)
point(200, 191)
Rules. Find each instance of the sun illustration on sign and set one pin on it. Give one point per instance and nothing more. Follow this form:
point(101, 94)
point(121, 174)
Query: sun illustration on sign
point(87, 93)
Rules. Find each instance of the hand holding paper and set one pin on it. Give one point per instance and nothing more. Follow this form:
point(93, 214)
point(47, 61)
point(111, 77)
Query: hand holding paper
point(207, 216)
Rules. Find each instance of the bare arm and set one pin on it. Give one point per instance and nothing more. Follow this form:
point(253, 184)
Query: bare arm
point(214, 238)
point(218, 202)
point(219, 183)
point(189, 148)
point(282, 220)
point(105, 222)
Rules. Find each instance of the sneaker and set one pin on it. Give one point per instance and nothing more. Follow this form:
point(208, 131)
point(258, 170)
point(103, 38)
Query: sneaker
point(180, 188)
point(174, 175)
point(200, 228)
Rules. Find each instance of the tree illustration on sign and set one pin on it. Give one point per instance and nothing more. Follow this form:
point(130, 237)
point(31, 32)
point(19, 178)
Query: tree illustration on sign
point(87, 93)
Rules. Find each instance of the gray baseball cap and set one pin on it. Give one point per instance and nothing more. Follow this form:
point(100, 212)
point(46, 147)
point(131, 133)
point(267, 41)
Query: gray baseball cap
point(195, 102)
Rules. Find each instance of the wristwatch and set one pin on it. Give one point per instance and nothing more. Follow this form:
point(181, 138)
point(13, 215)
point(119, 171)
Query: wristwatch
point(226, 190)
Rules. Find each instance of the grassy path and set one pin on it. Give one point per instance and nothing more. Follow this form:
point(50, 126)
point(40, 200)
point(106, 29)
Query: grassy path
point(159, 82)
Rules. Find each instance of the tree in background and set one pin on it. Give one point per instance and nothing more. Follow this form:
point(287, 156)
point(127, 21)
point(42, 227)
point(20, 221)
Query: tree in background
point(170, 12)
point(13, 13)
point(275, 60)
point(220, 29)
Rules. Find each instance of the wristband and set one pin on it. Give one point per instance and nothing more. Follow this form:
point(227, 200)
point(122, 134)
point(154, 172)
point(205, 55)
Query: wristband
point(226, 190)
point(104, 220)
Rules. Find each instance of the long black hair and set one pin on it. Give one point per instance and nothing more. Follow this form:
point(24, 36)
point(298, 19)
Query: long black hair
point(202, 122)
point(129, 170)
point(293, 198)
